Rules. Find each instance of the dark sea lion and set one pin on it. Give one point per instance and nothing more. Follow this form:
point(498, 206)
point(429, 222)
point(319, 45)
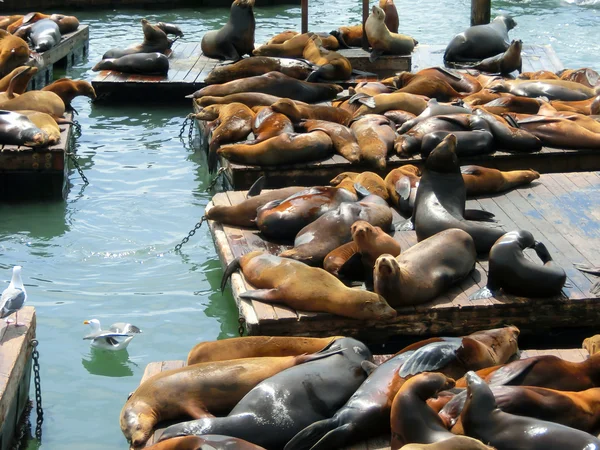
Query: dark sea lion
point(207, 441)
point(515, 274)
point(20, 83)
point(586, 76)
point(14, 52)
point(170, 28)
point(332, 229)
point(505, 63)
point(592, 344)
point(44, 35)
point(297, 112)
point(512, 103)
point(508, 137)
point(244, 214)
point(441, 196)
point(283, 219)
point(382, 41)
point(434, 109)
point(381, 103)
point(268, 123)
point(344, 141)
point(375, 136)
point(5, 21)
point(259, 65)
point(480, 41)
point(399, 117)
point(291, 48)
point(476, 142)
point(188, 391)
point(254, 347)
point(17, 129)
point(139, 63)
point(236, 38)
point(551, 89)
point(426, 270)
point(275, 83)
point(68, 89)
point(250, 99)
point(286, 148)
point(453, 443)
point(155, 40)
point(278, 408)
point(483, 420)
point(486, 181)
point(332, 66)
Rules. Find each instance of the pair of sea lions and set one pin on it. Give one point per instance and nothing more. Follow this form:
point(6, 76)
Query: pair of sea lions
point(66, 24)
point(352, 36)
point(43, 34)
point(18, 129)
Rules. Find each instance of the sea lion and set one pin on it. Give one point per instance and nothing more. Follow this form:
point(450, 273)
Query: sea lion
point(551, 89)
point(483, 420)
point(254, 347)
point(170, 28)
point(588, 107)
point(139, 63)
point(68, 89)
point(44, 35)
point(509, 135)
point(485, 181)
point(278, 408)
point(331, 64)
point(155, 40)
point(482, 97)
point(427, 86)
point(283, 219)
point(434, 109)
point(382, 41)
point(297, 112)
point(42, 101)
point(375, 136)
point(539, 75)
point(188, 391)
point(512, 272)
point(280, 38)
point(350, 36)
point(236, 38)
point(274, 83)
point(250, 99)
point(440, 199)
point(461, 82)
point(268, 123)
point(580, 119)
point(399, 117)
point(391, 15)
point(504, 64)
point(401, 184)
point(292, 48)
point(332, 229)
point(46, 123)
point(20, 83)
point(17, 129)
point(370, 88)
point(258, 65)
point(480, 41)
point(286, 148)
point(25, 20)
point(446, 257)
point(244, 214)
point(592, 344)
point(367, 180)
point(344, 141)
point(586, 76)
point(207, 441)
point(453, 443)
point(558, 132)
point(381, 103)
point(5, 21)
point(14, 52)
point(513, 103)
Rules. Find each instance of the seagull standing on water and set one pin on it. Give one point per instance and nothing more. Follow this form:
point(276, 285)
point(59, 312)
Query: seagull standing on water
point(117, 337)
point(13, 298)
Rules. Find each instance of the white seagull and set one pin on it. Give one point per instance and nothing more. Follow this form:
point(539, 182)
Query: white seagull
point(13, 298)
point(117, 337)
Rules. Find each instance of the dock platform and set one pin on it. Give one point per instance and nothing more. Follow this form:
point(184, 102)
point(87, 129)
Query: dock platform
point(561, 210)
point(72, 49)
point(381, 442)
point(27, 172)
point(15, 374)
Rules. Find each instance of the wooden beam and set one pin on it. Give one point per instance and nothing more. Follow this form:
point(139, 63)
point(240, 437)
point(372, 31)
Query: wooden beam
point(365, 16)
point(480, 12)
point(304, 6)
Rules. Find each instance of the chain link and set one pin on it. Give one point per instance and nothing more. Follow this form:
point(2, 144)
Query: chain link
point(71, 156)
point(241, 328)
point(213, 183)
point(189, 121)
point(182, 129)
point(77, 128)
point(38, 390)
point(190, 234)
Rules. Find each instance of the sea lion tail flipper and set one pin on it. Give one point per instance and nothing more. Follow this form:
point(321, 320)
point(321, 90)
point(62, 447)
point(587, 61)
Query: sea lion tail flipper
point(402, 187)
point(361, 190)
point(431, 357)
point(314, 76)
point(482, 293)
point(374, 55)
point(587, 269)
point(362, 73)
point(479, 215)
point(232, 267)
point(368, 366)
point(405, 225)
point(256, 187)
point(265, 295)
point(338, 438)
point(9, 92)
point(361, 95)
point(595, 289)
point(311, 435)
point(318, 355)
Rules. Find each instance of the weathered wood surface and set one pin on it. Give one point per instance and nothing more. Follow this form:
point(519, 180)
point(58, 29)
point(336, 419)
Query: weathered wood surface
point(15, 370)
point(561, 210)
point(381, 442)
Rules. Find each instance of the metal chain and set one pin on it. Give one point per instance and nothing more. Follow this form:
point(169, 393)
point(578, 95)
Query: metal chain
point(38, 390)
point(190, 234)
point(71, 156)
point(242, 322)
point(77, 127)
point(182, 129)
point(191, 134)
point(213, 183)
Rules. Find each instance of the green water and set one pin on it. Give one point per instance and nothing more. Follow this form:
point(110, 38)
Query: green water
point(104, 252)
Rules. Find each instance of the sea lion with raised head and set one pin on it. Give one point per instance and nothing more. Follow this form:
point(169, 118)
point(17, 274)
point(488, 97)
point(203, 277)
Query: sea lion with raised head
point(155, 40)
point(382, 41)
point(331, 64)
point(236, 38)
point(20, 83)
point(504, 64)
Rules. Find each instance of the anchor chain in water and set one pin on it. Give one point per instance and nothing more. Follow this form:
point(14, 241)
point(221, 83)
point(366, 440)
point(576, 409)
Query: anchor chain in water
point(190, 234)
point(187, 122)
point(213, 183)
point(77, 128)
point(242, 322)
point(38, 390)
point(72, 157)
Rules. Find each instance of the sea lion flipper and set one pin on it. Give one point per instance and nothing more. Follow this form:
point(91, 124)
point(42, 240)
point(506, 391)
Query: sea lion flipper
point(505, 374)
point(265, 295)
point(479, 215)
point(368, 367)
point(470, 170)
point(336, 438)
point(256, 187)
point(482, 293)
point(595, 289)
point(311, 435)
point(361, 190)
point(403, 187)
point(406, 225)
point(587, 269)
point(360, 95)
point(374, 55)
point(232, 267)
point(431, 357)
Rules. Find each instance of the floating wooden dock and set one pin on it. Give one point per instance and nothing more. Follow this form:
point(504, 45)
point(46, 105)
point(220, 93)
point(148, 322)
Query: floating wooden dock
point(72, 49)
point(15, 374)
point(381, 442)
point(561, 210)
point(27, 172)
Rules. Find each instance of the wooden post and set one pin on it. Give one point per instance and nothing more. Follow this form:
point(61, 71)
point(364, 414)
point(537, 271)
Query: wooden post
point(480, 12)
point(304, 4)
point(365, 15)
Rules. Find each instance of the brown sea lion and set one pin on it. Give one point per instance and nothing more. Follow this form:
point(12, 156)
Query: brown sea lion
point(434, 109)
point(446, 257)
point(381, 103)
point(485, 181)
point(368, 180)
point(336, 259)
point(399, 117)
point(27, 19)
point(20, 83)
point(505, 63)
point(155, 40)
point(46, 123)
point(274, 83)
point(592, 344)
point(461, 82)
point(208, 441)
point(17, 129)
point(258, 65)
point(370, 88)
point(14, 52)
point(384, 42)
point(236, 38)
point(391, 15)
point(68, 89)
point(250, 99)
point(254, 347)
point(244, 214)
point(558, 132)
point(432, 87)
point(401, 184)
point(513, 103)
point(588, 107)
point(42, 101)
point(375, 135)
point(280, 38)
point(332, 65)
point(292, 48)
point(580, 119)
point(453, 443)
point(268, 123)
point(482, 97)
point(305, 288)
point(539, 75)
point(188, 391)
point(344, 141)
point(586, 76)
point(5, 21)
point(297, 112)
point(350, 36)
point(287, 148)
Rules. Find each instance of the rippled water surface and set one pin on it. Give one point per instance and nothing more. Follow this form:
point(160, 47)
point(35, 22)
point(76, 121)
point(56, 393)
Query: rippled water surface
point(104, 252)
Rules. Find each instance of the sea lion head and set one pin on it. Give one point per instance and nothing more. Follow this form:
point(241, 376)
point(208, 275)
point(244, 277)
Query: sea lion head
point(37, 138)
point(379, 308)
point(524, 238)
point(362, 230)
point(343, 176)
point(508, 21)
point(86, 89)
point(287, 107)
point(243, 3)
point(443, 157)
point(208, 112)
point(479, 395)
point(378, 13)
point(137, 422)
point(386, 266)
point(503, 342)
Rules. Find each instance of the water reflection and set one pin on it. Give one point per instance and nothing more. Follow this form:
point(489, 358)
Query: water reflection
point(107, 363)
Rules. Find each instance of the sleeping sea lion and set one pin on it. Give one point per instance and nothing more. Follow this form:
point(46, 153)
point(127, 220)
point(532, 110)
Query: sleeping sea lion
point(344, 141)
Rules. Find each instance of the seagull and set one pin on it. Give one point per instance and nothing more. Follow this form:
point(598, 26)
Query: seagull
point(117, 337)
point(13, 298)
